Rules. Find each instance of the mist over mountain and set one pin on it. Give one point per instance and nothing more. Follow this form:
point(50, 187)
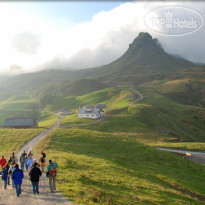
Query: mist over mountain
point(144, 61)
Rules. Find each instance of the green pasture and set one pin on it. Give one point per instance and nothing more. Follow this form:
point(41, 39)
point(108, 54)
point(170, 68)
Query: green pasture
point(47, 120)
point(13, 139)
point(73, 119)
point(101, 168)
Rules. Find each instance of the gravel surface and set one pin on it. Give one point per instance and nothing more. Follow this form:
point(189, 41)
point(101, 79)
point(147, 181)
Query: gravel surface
point(198, 157)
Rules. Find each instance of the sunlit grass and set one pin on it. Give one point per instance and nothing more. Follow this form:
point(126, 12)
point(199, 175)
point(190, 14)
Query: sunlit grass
point(73, 119)
point(102, 168)
point(47, 120)
point(13, 139)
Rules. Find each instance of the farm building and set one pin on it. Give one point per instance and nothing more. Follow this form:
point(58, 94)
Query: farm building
point(97, 106)
point(90, 113)
point(20, 123)
point(64, 112)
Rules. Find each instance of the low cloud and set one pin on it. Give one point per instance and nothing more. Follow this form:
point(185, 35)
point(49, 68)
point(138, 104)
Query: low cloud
point(99, 41)
point(108, 35)
point(26, 42)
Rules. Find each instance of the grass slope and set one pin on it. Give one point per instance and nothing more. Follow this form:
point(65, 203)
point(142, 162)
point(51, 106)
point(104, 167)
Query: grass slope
point(13, 139)
point(73, 119)
point(19, 106)
point(109, 96)
point(101, 168)
point(47, 120)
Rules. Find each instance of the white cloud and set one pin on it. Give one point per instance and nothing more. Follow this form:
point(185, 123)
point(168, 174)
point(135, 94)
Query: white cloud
point(87, 44)
point(26, 42)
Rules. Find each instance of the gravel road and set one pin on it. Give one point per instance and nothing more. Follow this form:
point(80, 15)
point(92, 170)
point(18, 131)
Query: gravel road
point(198, 157)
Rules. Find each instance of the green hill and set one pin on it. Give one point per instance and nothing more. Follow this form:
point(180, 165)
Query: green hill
point(109, 96)
point(101, 168)
point(187, 87)
point(144, 61)
point(19, 106)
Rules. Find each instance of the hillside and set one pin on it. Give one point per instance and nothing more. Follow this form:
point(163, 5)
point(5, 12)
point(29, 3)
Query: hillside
point(102, 168)
point(109, 96)
point(144, 61)
point(19, 106)
point(69, 88)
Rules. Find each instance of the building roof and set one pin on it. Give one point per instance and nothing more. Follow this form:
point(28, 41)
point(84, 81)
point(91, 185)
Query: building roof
point(89, 111)
point(19, 122)
point(64, 110)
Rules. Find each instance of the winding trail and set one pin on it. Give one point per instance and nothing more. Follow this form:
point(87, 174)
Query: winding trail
point(27, 197)
point(141, 97)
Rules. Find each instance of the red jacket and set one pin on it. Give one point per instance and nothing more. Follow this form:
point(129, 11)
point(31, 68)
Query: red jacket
point(3, 162)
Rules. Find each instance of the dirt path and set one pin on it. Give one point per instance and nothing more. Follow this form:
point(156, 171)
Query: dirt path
point(141, 97)
point(198, 157)
point(45, 197)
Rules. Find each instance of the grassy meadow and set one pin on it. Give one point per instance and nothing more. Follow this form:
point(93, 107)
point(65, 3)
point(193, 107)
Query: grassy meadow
point(112, 97)
point(102, 168)
point(13, 139)
point(114, 161)
point(18, 106)
point(73, 119)
point(47, 120)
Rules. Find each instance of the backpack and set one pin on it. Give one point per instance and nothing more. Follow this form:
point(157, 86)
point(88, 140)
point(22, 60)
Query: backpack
point(42, 160)
point(21, 159)
point(52, 170)
point(44, 155)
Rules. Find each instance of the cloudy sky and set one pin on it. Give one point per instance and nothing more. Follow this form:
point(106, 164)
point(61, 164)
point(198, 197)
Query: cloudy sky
point(40, 35)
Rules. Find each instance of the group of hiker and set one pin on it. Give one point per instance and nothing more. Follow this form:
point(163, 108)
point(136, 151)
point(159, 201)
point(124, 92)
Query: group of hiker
point(10, 169)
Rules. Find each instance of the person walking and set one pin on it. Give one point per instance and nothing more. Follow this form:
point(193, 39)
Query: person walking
point(51, 173)
point(30, 155)
point(14, 159)
point(30, 162)
point(24, 153)
point(11, 170)
point(35, 174)
point(8, 176)
point(26, 162)
point(10, 160)
point(17, 176)
point(42, 163)
point(43, 154)
point(4, 174)
point(3, 162)
point(22, 161)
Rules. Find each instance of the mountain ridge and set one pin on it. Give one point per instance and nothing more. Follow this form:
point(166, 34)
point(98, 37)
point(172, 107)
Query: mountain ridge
point(144, 61)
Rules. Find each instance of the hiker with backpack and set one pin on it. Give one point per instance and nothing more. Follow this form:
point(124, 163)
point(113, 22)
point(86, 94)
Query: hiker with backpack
point(14, 159)
point(17, 176)
point(35, 174)
point(22, 161)
point(42, 163)
point(30, 162)
point(4, 175)
point(24, 153)
point(43, 154)
point(10, 160)
point(11, 170)
point(26, 162)
point(3, 162)
point(30, 155)
point(51, 174)
point(7, 169)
